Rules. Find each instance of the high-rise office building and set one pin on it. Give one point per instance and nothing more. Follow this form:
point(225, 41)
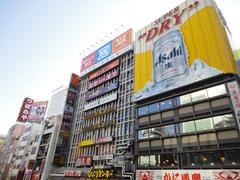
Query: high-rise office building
point(102, 132)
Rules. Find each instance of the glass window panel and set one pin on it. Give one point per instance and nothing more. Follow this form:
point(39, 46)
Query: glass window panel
point(143, 134)
point(155, 132)
point(166, 104)
point(153, 160)
point(168, 130)
point(204, 124)
point(184, 99)
point(169, 160)
point(154, 107)
point(143, 160)
point(199, 95)
point(143, 110)
point(187, 127)
point(190, 159)
point(223, 121)
point(216, 90)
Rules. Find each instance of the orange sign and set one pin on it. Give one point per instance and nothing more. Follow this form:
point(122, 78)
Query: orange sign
point(75, 80)
point(122, 41)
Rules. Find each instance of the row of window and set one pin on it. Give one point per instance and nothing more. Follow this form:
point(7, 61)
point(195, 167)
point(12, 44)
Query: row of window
point(210, 123)
point(194, 160)
point(184, 99)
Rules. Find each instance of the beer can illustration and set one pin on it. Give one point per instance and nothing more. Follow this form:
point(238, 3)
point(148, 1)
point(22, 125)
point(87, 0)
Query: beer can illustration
point(169, 57)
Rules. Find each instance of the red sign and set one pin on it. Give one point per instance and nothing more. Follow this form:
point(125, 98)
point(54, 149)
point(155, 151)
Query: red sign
point(84, 161)
point(25, 110)
point(88, 61)
point(72, 173)
point(104, 69)
point(74, 80)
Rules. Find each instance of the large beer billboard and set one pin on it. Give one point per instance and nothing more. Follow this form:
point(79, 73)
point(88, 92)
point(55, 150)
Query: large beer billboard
point(186, 45)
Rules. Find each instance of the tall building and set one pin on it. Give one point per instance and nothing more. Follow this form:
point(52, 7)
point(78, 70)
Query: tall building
point(9, 149)
point(102, 132)
point(57, 102)
point(27, 149)
point(186, 91)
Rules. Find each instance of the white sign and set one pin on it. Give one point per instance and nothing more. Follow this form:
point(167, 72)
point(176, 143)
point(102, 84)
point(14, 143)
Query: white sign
point(103, 157)
point(101, 101)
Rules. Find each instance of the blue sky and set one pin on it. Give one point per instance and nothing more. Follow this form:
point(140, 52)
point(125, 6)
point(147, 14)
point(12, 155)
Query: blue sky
point(41, 41)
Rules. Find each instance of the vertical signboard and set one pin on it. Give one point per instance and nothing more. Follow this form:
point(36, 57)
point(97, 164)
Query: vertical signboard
point(186, 45)
point(25, 110)
point(63, 137)
point(235, 97)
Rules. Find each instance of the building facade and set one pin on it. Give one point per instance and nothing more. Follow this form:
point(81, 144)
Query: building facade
point(27, 149)
point(102, 131)
point(186, 95)
point(8, 154)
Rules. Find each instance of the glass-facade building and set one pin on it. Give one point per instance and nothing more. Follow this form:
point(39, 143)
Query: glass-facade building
point(193, 127)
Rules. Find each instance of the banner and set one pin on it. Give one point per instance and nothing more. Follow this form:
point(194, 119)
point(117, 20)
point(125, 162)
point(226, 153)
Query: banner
point(186, 45)
point(104, 69)
point(107, 53)
point(233, 174)
point(38, 111)
point(25, 110)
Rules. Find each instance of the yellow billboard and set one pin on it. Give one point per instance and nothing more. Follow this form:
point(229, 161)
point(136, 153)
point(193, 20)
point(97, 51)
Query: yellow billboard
point(186, 45)
point(86, 143)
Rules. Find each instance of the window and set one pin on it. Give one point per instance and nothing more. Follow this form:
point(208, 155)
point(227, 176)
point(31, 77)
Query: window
point(204, 124)
point(166, 104)
point(143, 134)
point(184, 99)
point(209, 158)
point(199, 95)
point(190, 159)
point(154, 107)
point(223, 121)
point(216, 90)
point(154, 132)
point(169, 160)
point(143, 110)
point(168, 130)
point(154, 160)
point(187, 127)
point(143, 161)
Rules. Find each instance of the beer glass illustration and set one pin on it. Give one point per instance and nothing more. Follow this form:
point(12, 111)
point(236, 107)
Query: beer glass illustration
point(169, 58)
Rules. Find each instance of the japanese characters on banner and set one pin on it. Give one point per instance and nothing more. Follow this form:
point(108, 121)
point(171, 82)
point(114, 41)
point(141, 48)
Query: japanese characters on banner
point(84, 161)
point(38, 111)
point(25, 110)
point(235, 97)
point(100, 173)
point(107, 52)
point(188, 174)
point(186, 45)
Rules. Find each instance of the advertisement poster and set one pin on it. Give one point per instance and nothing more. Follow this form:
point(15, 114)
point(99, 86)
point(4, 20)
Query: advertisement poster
point(107, 53)
point(38, 110)
point(188, 174)
point(186, 45)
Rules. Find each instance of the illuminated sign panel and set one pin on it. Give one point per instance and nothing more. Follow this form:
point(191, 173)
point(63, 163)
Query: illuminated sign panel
point(186, 45)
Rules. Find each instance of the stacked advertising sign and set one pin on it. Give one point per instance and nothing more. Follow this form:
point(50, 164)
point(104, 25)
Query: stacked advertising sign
point(25, 110)
point(188, 174)
point(32, 111)
point(186, 45)
point(106, 53)
point(63, 138)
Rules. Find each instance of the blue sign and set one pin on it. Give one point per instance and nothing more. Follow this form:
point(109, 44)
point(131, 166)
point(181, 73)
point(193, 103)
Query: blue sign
point(103, 52)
